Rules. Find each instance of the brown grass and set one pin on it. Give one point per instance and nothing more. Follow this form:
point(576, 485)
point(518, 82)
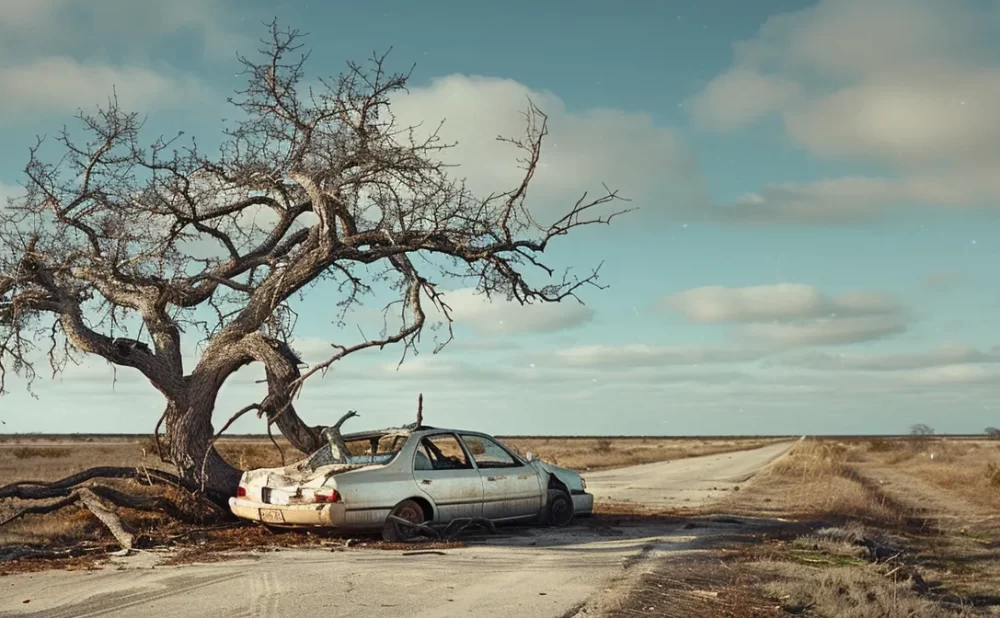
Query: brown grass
point(847, 591)
point(970, 468)
point(45, 452)
point(939, 510)
point(827, 477)
point(814, 479)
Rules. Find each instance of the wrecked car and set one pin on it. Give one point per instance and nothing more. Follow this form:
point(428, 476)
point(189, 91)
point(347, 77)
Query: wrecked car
point(423, 475)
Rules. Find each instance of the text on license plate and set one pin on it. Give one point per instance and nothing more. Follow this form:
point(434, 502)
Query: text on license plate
point(273, 516)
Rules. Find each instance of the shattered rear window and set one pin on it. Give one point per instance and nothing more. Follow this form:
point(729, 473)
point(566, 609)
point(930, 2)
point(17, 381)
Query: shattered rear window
point(370, 450)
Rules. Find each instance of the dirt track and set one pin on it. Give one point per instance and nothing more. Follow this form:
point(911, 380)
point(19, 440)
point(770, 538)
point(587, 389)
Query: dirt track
point(522, 572)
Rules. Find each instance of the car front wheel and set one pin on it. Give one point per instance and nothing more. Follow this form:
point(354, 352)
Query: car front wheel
point(559, 510)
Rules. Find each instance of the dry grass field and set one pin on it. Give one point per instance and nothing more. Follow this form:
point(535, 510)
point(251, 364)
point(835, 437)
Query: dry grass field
point(859, 528)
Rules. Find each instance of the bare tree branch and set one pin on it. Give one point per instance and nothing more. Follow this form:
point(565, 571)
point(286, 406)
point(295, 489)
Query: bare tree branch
point(122, 244)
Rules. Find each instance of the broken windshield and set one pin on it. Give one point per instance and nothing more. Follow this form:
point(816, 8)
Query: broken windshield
point(376, 449)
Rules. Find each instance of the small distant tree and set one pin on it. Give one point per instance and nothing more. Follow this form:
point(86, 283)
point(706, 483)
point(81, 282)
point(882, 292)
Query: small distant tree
point(992, 432)
point(921, 430)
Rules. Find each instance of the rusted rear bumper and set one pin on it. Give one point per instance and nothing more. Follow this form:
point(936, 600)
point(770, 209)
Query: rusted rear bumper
point(289, 514)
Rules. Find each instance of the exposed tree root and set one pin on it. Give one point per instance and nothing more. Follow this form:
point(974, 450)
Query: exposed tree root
point(17, 552)
point(39, 490)
point(39, 509)
point(102, 501)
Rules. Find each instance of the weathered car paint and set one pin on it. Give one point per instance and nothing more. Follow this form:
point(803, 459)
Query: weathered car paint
point(511, 492)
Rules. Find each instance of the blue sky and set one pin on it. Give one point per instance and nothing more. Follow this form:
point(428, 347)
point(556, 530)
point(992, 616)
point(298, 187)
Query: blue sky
point(815, 248)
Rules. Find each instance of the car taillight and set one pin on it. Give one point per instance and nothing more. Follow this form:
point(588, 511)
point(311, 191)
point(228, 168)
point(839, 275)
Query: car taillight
point(327, 495)
point(241, 492)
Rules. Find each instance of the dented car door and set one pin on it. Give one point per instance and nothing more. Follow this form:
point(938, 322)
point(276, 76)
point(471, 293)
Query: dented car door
point(443, 471)
point(511, 488)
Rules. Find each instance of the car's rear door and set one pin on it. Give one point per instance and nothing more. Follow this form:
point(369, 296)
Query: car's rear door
point(511, 487)
point(443, 471)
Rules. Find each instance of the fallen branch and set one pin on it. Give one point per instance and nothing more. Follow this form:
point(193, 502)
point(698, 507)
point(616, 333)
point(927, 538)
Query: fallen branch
point(389, 531)
point(39, 490)
point(464, 523)
point(453, 530)
point(93, 503)
point(103, 512)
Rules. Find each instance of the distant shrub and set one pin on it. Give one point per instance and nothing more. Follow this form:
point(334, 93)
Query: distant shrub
point(249, 456)
point(148, 445)
point(46, 452)
point(603, 446)
point(885, 446)
point(993, 474)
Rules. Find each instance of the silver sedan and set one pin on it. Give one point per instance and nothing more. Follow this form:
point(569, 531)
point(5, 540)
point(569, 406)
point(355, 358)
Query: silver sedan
point(420, 474)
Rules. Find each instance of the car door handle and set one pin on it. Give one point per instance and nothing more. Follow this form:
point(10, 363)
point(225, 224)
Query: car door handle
point(425, 482)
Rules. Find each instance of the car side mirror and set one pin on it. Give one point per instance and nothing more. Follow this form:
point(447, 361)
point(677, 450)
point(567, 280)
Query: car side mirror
point(529, 456)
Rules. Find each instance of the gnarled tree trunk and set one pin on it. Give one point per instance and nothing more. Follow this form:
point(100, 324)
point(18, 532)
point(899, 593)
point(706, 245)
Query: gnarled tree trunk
point(188, 416)
point(188, 425)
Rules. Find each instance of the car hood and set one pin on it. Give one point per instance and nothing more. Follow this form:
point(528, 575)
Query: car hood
point(570, 478)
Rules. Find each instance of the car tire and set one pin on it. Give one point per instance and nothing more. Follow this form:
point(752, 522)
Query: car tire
point(559, 510)
point(398, 533)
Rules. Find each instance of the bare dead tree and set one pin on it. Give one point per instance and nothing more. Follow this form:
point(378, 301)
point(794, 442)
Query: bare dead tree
point(118, 248)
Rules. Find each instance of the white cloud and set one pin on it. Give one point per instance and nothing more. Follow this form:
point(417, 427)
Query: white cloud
point(941, 280)
point(939, 357)
point(870, 81)
point(825, 331)
point(790, 315)
point(853, 38)
point(64, 85)
point(848, 199)
point(952, 375)
point(57, 56)
point(643, 355)
point(503, 316)
point(120, 27)
point(627, 151)
point(784, 301)
point(948, 115)
point(757, 94)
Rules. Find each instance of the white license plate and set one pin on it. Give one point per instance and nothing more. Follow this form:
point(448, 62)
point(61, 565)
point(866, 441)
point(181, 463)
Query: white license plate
point(272, 516)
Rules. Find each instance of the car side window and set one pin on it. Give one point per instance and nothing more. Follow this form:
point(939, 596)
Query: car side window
point(440, 452)
point(489, 454)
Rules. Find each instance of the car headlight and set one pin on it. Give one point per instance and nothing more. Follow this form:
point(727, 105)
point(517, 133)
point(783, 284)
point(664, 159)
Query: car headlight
point(583, 482)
